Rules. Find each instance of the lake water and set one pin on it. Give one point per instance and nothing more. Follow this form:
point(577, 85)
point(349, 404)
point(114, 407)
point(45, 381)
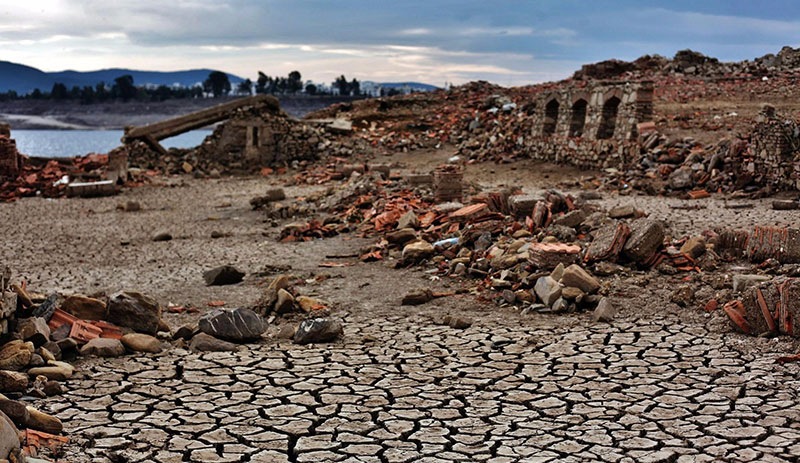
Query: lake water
point(66, 143)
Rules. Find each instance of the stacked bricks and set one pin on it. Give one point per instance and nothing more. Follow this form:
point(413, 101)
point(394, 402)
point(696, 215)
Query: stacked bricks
point(772, 158)
point(447, 184)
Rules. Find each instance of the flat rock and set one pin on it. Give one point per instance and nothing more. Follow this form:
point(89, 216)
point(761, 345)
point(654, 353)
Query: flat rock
point(135, 311)
point(162, 236)
point(318, 330)
point(236, 325)
point(140, 342)
point(742, 282)
point(694, 247)
point(417, 251)
point(203, 342)
point(84, 307)
point(15, 355)
point(55, 370)
point(13, 381)
point(223, 275)
point(571, 219)
point(401, 236)
point(42, 421)
point(577, 277)
point(103, 347)
point(417, 297)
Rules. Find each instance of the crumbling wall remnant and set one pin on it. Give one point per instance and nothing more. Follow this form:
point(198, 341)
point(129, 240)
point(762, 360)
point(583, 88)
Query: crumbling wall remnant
point(10, 159)
point(774, 155)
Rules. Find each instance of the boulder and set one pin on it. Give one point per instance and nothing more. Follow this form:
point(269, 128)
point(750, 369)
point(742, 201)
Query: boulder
point(85, 308)
point(9, 437)
point(547, 290)
point(33, 329)
point(647, 235)
point(140, 342)
point(681, 179)
point(15, 355)
point(41, 421)
point(13, 381)
point(224, 275)
point(417, 251)
point(135, 311)
point(318, 330)
point(203, 342)
point(103, 347)
point(236, 325)
point(577, 277)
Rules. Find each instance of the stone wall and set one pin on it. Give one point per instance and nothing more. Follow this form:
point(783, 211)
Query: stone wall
point(8, 300)
point(774, 155)
point(590, 125)
point(10, 159)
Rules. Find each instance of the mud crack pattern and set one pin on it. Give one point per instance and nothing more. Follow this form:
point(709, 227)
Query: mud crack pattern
point(406, 390)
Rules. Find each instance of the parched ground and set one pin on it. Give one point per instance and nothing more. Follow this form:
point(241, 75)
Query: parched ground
point(659, 383)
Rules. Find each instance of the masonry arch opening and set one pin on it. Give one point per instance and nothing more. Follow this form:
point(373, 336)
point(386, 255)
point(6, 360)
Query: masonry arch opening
point(578, 120)
point(608, 119)
point(550, 118)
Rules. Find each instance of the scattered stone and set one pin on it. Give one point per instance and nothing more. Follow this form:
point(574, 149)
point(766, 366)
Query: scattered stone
point(785, 204)
point(647, 235)
point(622, 212)
point(237, 325)
point(604, 312)
point(571, 293)
point(417, 251)
point(571, 219)
point(55, 370)
point(162, 236)
point(13, 381)
point(285, 302)
point(140, 342)
point(401, 236)
point(681, 179)
point(417, 297)
point(608, 242)
point(458, 322)
point(286, 332)
point(33, 329)
point(15, 355)
point(67, 345)
point(135, 311)
point(103, 347)
point(15, 410)
point(309, 304)
point(547, 289)
point(683, 295)
point(318, 330)
point(43, 422)
point(85, 308)
point(408, 220)
point(203, 342)
point(577, 277)
point(550, 255)
point(267, 302)
point(694, 247)
point(185, 332)
point(224, 275)
point(132, 206)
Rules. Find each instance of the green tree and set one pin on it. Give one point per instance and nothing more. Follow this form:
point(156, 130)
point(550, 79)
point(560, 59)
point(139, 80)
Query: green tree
point(261, 83)
point(355, 87)
point(123, 88)
point(245, 87)
point(311, 89)
point(342, 85)
point(59, 91)
point(36, 94)
point(295, 82)
point(87, 95)
point(217, 83)
point(101, 92)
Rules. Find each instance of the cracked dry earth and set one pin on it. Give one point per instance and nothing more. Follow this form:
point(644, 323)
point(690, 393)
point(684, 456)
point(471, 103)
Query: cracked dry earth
point(660, 383)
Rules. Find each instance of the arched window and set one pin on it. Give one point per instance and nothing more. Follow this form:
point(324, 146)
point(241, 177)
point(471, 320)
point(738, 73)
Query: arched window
point(550, 118)
point(578, 120)
point(608, 121)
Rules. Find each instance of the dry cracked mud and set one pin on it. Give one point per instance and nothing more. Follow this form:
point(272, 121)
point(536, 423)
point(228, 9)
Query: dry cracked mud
point(659, 383)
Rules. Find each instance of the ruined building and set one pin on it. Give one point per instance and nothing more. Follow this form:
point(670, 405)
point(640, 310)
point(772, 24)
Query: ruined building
point(774, 155)
point(10, 159)
point(591, 125)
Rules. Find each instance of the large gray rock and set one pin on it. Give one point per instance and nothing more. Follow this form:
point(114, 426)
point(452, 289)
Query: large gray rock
point(577, 277)
point(140, 342)
point(318, 330)
point(647, 235)
point(236, 325)
point(605, 311)
point(681, 179)
point(103, 347)
point(33, 329)
point(135, 311)
point(547, 290)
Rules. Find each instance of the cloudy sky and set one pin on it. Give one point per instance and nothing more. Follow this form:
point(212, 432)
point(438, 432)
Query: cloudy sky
point(434, 41)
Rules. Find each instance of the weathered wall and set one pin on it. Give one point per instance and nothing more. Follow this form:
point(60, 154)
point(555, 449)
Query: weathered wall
point(591, 125)
point(10, 159)
point(774, 154)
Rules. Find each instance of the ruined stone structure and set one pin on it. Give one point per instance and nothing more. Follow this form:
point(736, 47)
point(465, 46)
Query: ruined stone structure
point(8, 300)
point(591, 125)
point(774, 155)
point(10, 159)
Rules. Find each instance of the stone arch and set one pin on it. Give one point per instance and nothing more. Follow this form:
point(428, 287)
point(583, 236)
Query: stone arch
point(578, 117)
point(550, 117)
point(608, 118)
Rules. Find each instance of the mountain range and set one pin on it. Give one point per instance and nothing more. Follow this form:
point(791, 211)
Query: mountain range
point(24, 79)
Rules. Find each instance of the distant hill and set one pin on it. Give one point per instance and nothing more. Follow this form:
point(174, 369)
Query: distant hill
point(24, 79)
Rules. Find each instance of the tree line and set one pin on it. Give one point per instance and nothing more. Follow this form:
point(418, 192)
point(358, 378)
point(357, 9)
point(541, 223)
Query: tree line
point(217, 84)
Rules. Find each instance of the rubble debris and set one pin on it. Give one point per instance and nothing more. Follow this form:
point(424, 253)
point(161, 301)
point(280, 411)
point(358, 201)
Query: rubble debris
point(646, 237)
point(604, 312)
point(134, 310)
point(92, 189)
